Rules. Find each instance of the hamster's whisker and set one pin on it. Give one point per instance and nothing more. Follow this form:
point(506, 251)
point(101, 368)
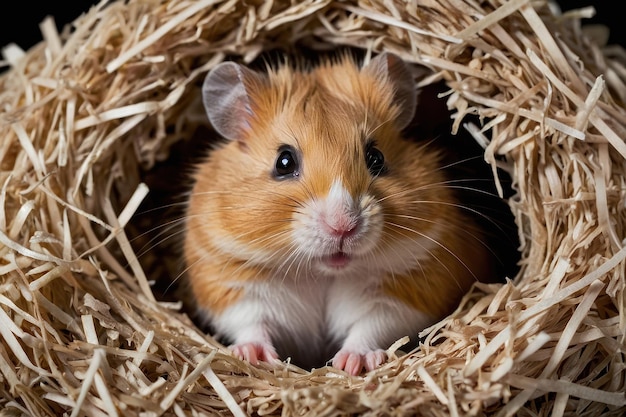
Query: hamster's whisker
point(391, 267)
point(279, 237)
point(158, 240)
point(456, 225)
point(182, 273)
point(180, 220)
point(304, 260)
point(168, 225)
point(255, 261)
point(378, 126)
point(448, 184)
point(162, 207)
point(265, 238)
point(453, 227)
point(261, 198)
point(416, 259)
point(438, 243)
point(293, 256)
point(291, 249)
point(250, 261)
point(459, 162)
point(451, 185)
point(462, 207)
point(310, 194)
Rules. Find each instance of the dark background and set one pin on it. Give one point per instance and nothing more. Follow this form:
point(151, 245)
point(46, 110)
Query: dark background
point(21, 24)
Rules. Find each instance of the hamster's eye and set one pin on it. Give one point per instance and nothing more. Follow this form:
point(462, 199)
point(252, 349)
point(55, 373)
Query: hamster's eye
point(286, 164)
point(375, 160)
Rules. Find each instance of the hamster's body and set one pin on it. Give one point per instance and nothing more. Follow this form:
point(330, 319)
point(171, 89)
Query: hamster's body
point(316, 231)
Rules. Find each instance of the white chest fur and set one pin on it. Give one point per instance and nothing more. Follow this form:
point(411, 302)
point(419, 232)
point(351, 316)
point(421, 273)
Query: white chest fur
point(309, 319)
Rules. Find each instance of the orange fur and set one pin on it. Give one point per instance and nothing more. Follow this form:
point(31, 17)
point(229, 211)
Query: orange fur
point(240, 219)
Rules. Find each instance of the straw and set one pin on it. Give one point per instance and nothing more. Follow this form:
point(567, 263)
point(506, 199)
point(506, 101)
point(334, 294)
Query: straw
point(91, 114)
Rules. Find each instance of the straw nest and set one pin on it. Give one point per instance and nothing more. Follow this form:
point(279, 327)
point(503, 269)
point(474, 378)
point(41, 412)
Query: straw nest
point(87, 114)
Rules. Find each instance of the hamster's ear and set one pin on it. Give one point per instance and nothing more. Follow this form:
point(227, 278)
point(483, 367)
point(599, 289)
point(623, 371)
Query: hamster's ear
point(225, 94)
point(390, 68)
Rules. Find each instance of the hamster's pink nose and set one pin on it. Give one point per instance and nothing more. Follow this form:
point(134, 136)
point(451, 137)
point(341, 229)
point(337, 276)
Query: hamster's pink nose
point(342, 227)
point(343, 232)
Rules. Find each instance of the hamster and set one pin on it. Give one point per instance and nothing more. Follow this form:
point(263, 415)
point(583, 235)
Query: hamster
point(315, 231)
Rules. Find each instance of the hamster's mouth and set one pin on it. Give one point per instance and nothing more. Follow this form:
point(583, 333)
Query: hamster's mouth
point(336, 260)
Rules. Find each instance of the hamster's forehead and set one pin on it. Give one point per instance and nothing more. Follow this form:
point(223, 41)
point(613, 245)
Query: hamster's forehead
point(325, 126)
point(333, 90)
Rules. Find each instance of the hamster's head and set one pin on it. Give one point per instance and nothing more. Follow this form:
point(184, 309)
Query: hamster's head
point(314, 175)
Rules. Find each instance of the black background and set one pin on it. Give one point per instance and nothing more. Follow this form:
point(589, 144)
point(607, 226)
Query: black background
point(19, 23)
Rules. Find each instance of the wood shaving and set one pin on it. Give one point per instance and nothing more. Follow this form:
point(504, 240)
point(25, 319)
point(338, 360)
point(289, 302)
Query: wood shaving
point(90, 111)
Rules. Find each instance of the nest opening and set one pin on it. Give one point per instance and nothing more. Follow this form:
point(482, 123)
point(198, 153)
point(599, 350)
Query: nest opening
point(170, 181)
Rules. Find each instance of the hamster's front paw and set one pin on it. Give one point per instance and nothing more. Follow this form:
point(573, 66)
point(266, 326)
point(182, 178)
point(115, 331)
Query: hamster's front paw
point(353, 362)
point(255, 352)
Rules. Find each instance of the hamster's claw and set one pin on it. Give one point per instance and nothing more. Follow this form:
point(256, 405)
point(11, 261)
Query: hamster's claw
point(255, 352)
point(353, 362)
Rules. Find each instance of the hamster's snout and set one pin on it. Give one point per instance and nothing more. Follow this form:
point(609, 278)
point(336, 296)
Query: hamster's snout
point(338, 229)
point(341, 216)
point(341, 224)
